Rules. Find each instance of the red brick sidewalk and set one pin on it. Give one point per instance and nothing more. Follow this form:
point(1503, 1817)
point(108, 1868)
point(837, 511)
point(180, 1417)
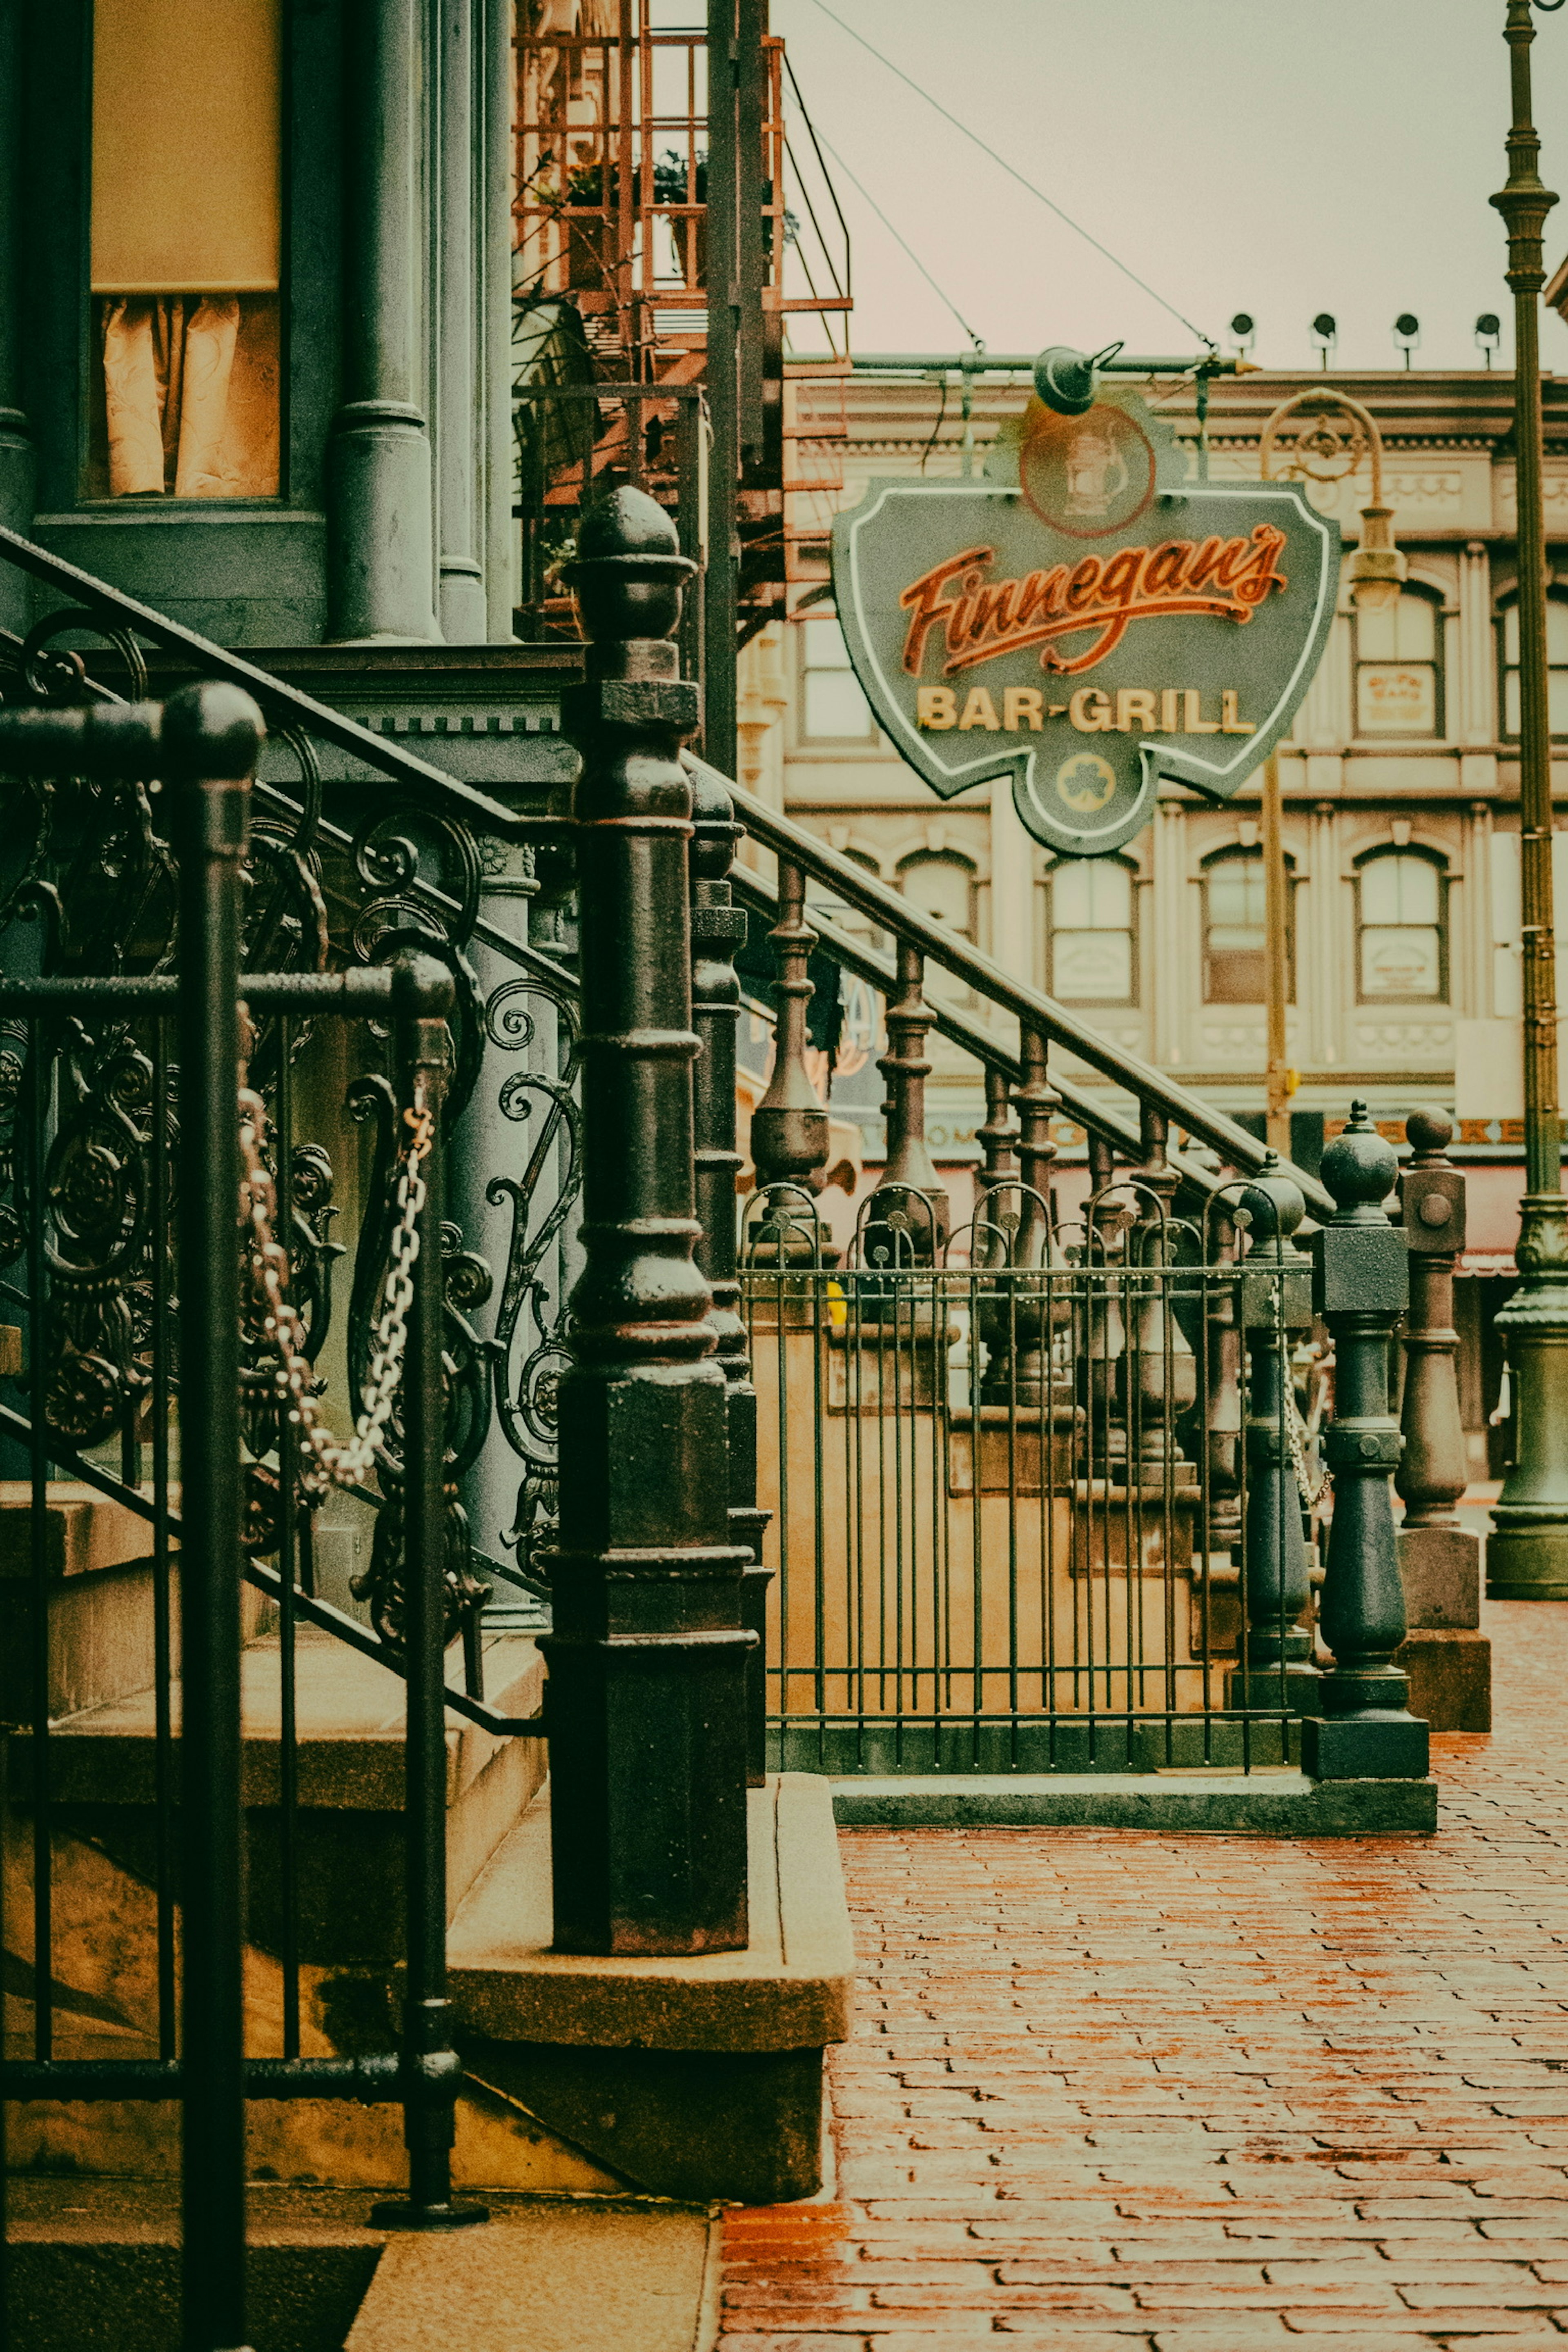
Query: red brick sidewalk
point(1120, 2091)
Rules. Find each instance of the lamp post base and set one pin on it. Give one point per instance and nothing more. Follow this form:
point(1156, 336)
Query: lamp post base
point(1527, 1552)
point(1528, 1563)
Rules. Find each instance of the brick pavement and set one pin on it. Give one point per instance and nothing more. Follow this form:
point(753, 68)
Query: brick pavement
point(1112, 2091)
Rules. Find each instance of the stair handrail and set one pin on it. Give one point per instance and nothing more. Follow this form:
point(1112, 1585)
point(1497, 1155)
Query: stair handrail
point(456, 799)
point(1030, 1005)
point(882, 973)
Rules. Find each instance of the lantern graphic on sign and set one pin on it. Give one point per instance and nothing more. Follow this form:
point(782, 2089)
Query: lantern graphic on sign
point(1096, 475)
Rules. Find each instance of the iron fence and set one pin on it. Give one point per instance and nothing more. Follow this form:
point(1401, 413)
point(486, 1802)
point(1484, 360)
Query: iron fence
point(1013, 1527)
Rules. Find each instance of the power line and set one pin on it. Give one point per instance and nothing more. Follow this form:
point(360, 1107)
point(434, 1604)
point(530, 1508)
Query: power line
point(899, 239)
point(1013, 173)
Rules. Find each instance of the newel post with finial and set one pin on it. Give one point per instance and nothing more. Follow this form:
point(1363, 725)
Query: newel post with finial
point(1360, 1284)
point(646, 1697)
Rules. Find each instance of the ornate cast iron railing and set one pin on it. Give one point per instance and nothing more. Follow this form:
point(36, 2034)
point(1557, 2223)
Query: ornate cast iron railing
point(341, 877)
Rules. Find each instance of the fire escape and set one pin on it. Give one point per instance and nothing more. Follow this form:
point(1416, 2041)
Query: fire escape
point(640, 356)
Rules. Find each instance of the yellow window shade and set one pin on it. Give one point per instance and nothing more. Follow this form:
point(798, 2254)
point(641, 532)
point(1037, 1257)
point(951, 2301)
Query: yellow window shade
point(186, 146)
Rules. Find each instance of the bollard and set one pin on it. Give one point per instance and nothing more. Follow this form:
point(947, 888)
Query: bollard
point(1277, 1668)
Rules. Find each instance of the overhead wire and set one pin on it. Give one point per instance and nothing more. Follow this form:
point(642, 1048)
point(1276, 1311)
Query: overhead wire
point(1014, 173)
point(943, 296)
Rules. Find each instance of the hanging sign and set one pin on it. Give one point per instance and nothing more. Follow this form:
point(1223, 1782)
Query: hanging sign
point(1085, 621)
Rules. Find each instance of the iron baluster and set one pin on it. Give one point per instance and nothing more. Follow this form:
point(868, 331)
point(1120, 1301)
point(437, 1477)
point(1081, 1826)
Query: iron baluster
point(909, 1190)
point(789, 1126)
point(1431, 1476)
point(432, 2071)
point(647, 1657)
point(212, 733)
point(1162, 1368)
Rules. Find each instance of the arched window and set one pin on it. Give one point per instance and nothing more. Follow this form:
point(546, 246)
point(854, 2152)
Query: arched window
point(942, 887)
point(1401, 935)
point(1399, 667)
point(1093, 943)
point(1557, 665)
point(1234, 930)
point(831, 708)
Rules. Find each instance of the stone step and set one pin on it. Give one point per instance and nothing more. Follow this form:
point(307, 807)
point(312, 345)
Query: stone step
point(349, 1713)
point(95, 2267)
point(690, 2078)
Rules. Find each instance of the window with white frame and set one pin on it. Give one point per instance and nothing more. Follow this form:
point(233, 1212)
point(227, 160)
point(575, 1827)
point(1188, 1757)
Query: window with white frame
point(1092, 931)
point(1557, 665)
point(831, 708)
point(1399, 668)
point(1400, 928)
point(942, 887)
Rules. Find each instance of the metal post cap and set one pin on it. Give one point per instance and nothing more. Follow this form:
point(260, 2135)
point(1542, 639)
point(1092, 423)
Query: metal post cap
point(1273, 1203)
point(1360, 1169)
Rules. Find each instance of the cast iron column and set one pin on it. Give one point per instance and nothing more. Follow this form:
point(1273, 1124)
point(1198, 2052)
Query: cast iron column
point(1527, 1553)
point(380, 569)
point(721, 269)
point(1277, 1668)
point(460, 311)
point(718, 927)
point(647, 1659)
point(1359, 1287)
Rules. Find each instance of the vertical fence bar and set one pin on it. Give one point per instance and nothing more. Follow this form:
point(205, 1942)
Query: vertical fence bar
point(39, 1059)
point(423, 996)
point(287, 1532)
point(164, 1766)
point(211, 733)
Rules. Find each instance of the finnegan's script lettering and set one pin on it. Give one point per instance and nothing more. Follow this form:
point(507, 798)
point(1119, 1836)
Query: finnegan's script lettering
point(982, 619)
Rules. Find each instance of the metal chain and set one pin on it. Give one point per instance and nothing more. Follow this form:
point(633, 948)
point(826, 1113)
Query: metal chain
point(1296, 1430)
point(328, 1462)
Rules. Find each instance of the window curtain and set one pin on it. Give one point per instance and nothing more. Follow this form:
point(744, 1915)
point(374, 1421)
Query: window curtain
point(168, 361)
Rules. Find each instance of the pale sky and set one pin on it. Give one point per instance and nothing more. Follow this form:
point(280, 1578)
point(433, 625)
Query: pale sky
point(1276, 156)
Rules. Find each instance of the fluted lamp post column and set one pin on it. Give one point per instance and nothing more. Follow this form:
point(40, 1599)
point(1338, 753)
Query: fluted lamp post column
point(1527, 1552)
point(646, 1698)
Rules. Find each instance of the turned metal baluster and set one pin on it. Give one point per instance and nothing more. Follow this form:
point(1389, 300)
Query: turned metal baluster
point(647, 1657)
point(1162, 1372)
point(1222, 1371)
point(1022, 1323)
point(909, 1190)
point(789, 1126)
point(1277, 1669)
point(1105, 1328)
point(1360, 1288)
point(999, 1163)
point(718, 927)
point(1431, 1476)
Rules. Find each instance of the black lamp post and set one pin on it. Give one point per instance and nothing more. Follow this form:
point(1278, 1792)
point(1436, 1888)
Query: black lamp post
point(1526, 1554)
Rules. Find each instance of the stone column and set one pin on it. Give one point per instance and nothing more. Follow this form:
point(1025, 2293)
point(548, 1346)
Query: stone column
point(1367, 1732)
point(15, 439)
point(647, 1659)
point(380, 566)
point(496, 185)
point(1447, 1657)
point(458, 258)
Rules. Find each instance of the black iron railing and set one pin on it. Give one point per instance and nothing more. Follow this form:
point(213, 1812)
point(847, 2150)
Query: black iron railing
point(149, 1181)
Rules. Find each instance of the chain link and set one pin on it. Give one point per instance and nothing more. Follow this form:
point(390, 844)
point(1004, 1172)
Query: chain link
point(1296, 1430)
point(328, 1462)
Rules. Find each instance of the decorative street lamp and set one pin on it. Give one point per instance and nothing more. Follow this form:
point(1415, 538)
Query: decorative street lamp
point(1333, 434)
point(1527, 1553)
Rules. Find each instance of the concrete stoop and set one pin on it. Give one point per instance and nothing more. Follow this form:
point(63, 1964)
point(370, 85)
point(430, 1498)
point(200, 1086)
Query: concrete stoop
point(691, 2078)
point(95, 2267)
